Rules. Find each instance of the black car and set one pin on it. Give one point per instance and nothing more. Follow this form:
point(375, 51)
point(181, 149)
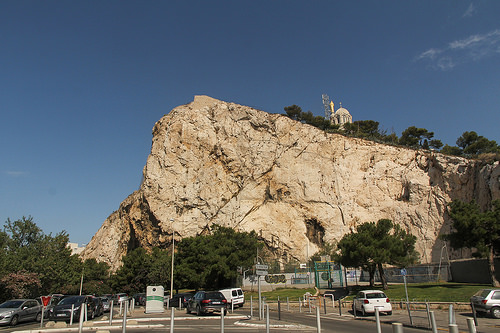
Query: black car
point(98, 306)
point(140, 299)
point(62, 311)
point(180, 299)
point(207, 302)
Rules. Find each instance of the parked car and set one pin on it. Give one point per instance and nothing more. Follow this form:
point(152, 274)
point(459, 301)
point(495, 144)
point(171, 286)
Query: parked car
point(234, 296)
point(62, 311)
point(17, 310)
point(367, 300)
point(207, 302)
point(121, 297)
point(106, 303)
point(98, 306)
point(180, 298)
point(487, 301)
point(140, 299)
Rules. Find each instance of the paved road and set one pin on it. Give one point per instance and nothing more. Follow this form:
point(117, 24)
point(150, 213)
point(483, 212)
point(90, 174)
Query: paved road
point(290, 321)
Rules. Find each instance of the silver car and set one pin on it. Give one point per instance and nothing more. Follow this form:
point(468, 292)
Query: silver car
point(487, 301)
point(18, 310)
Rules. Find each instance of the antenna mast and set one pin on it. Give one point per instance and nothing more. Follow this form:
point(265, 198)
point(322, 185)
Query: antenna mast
point(326, 105)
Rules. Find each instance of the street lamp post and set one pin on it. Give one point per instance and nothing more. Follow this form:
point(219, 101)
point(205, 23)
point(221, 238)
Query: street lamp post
point(172, 271)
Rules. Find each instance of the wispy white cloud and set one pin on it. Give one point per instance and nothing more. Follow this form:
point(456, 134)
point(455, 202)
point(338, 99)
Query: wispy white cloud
point(471, 10)
point(472, 48)
point(16, 173)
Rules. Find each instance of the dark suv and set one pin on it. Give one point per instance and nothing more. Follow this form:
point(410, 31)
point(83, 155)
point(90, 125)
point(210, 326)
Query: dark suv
point(487, 301)
point(207, 302)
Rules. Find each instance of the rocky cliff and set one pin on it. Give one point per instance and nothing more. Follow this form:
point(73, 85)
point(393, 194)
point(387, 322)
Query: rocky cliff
point(214, 162)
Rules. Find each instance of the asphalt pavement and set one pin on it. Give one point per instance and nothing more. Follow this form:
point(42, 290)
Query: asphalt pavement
point(291, 320)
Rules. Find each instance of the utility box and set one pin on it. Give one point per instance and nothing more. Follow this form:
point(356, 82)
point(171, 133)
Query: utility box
point(154, 299)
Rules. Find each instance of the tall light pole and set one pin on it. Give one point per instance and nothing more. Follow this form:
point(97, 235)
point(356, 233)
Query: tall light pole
point(172, 271)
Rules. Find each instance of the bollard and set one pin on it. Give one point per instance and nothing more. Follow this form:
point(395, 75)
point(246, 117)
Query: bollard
point(300, 305)
point(111, 313)
point(324, 303)
point(279, 310)
point(433, 322)
point(251, 307)
point(124, 323)
point(451, 317)
point(121, 306)
point(267, 318)
point(72, 312)
point(309, 303)
point(471, 325)
point(232, 306)
point(85, 308)
point(287, 304)
point(474, 314)
point(221, 320)
point(80, 322)
point(397, 328)
point(377, 319)
point(340, 307)
point(172, 319)
point(318, 320)
point(453, 328)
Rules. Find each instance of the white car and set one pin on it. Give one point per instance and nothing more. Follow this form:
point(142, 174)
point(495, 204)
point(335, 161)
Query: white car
point(367, 300)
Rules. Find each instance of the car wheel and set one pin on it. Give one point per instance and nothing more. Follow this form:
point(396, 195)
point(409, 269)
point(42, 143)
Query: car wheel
point(38, 317)
point(198, 310)
point(495, 312)
point(14, 321)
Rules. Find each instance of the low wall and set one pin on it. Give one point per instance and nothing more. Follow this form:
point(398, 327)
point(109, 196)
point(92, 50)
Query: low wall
point(473, 271)
point(280, 280)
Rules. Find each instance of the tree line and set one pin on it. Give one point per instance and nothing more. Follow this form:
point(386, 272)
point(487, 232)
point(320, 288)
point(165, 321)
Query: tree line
point(33, 263)
point(469, 144)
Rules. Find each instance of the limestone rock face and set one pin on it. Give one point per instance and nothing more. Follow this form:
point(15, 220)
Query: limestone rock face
point(214, 162)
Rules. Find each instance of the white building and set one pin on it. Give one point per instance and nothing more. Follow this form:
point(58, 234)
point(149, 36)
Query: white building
point(75, 249)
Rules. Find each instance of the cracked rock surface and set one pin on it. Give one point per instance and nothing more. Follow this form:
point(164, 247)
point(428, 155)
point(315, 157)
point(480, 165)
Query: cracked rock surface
point(214, 162)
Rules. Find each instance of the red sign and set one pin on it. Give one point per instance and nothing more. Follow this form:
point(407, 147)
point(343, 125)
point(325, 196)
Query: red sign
point(46, 300)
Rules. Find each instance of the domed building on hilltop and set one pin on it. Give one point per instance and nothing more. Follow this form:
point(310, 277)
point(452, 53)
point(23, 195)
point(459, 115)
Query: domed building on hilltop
point(339, 117)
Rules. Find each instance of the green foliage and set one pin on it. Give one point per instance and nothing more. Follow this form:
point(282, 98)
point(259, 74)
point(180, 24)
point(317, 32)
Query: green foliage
point(451, 150)
point(211, 261)
point(415, 137)
point(132, 277)
point(33, 263)
point(475, 229)
point(21, 284)
point(374, 244)
point(29, 249)
point(295, 112)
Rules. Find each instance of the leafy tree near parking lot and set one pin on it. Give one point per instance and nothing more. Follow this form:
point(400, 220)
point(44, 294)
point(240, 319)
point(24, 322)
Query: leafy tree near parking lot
point(30, 250)
point(211, 261)
point(374, 244)
point(21, 284)
point(476, 229)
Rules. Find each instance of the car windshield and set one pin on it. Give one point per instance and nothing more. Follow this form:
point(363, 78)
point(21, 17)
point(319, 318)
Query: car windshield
point(483, 293)
point(214, 295)
point(375, 295)
point(11, 304)
point(71, 300)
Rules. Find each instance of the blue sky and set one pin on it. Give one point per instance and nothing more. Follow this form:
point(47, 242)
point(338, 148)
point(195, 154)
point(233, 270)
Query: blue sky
point(83, 82)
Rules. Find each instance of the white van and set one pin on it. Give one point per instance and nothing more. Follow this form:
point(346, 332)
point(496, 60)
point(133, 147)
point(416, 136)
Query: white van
point(234, 296)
